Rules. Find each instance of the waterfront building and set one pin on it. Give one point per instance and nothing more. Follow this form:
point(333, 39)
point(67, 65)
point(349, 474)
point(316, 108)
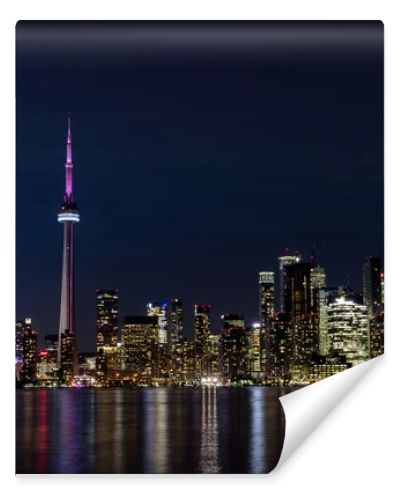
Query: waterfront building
point(140, 344)
point(348, 330)
point(234, 348)
point(175, 321)
point(376, 331)
point(87, 363)
point(183, 362)
point(266, 288)
point(214, 355)
point(254, 354)
point(297, 288)
point(19, 347)
point(285, 260)
point(324, 366)
point(29, 352)
point(68, 215)
point(372, 284)
point(51, 346)
point(325, 297)
point(107, 333)
point(160, 311)
point(47, 370)
point(280, 346)
point(317, 282)
point(201, 338)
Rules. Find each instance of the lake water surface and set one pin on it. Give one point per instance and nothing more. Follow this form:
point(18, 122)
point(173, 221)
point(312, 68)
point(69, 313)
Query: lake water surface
point(154, 430)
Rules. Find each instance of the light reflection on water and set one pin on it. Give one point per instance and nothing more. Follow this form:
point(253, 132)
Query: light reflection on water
point(149, 430)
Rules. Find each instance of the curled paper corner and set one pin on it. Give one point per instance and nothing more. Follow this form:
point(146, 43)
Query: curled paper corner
point(306, 408)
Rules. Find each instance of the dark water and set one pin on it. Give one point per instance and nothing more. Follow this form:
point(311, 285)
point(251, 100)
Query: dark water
point(160, 430)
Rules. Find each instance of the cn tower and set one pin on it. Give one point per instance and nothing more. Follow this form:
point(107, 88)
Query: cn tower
point(68, 215)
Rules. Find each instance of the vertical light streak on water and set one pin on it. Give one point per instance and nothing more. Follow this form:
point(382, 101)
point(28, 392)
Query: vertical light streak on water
point(27, 428)
point(161, 439)
point(90, 427)
point(42, 431)
point(257, 462)
point(209, 431)
point(148, 431)
point(67, 461)
point(118, 438)
point(155, 436)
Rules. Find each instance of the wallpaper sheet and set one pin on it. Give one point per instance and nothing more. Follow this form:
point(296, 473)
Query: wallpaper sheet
point(199, 239)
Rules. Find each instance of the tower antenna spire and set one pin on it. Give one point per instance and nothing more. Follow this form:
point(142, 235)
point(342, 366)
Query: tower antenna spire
point(68, 164)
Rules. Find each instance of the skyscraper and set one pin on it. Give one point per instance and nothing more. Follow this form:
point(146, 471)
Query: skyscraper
point(139, 343)
point(317, 282)
point(175, 322)
point(266, 284)
point(201, 337)
point(160, 310)
point(68, 215)
point(348, 330)
point(280, 350)
point(255, 350)
point(107, 331)
point(285, 260)
point(297, 296)
point(267, 297)
point(29, 351)
point(376, 332)
point(107, 317)
point(372, 284)
point(235, 348)
point(19, 345)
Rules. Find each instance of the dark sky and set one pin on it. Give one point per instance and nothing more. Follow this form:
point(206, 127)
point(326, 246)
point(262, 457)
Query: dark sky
point(201, 151)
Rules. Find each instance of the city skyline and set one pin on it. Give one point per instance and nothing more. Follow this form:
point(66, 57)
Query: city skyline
point(185, 183)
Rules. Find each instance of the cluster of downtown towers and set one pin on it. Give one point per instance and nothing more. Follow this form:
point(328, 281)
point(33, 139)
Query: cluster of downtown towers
point(314, 332)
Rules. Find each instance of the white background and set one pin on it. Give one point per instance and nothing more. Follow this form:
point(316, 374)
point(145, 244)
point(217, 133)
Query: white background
point(355, 452)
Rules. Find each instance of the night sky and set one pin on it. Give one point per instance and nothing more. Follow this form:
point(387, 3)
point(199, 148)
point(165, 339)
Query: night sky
point(201, 152)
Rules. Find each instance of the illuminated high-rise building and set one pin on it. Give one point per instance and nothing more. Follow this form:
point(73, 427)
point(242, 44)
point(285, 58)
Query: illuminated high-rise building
point(46, 367)
point(107, 332)
point(51, 346)
point(372, 284)
point(322, 367)
point(304, 334)
point(160, 310)
point(68, 215)
point(19, 346)
point(297, 299)
point(348, 333)
point(139, 336)
point(325, 297)
point(183, 362)
point(234, 348)
point(284, 261)
point(201, 337)
point(317, 282)
point(280, 350)
point(266, 281)
point(175, 321)
point(107, 318)
point(376, 332)
point(29, 352)
point(266, 287)
point(255, 350)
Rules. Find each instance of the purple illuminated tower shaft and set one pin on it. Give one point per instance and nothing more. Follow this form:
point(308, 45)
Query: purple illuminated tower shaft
point(68, 215)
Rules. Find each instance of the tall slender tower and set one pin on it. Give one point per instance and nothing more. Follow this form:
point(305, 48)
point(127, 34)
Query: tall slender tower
point(68, 215)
